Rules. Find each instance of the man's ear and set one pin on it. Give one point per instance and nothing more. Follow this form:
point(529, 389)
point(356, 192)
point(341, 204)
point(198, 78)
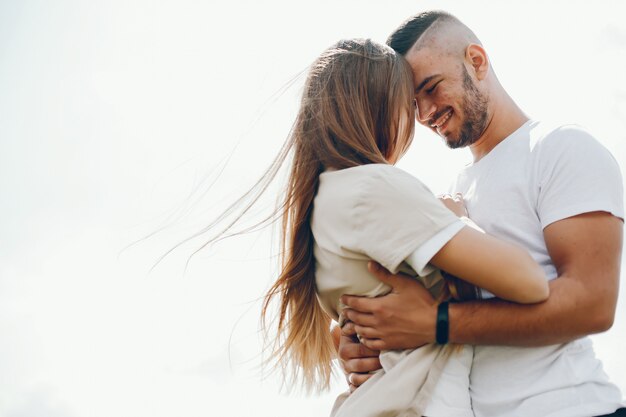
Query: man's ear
point(477, 58)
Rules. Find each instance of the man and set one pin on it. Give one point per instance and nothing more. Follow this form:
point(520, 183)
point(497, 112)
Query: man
point(553, 190)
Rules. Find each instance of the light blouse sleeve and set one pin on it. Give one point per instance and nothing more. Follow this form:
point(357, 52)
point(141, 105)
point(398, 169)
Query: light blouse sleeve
point(395, 214)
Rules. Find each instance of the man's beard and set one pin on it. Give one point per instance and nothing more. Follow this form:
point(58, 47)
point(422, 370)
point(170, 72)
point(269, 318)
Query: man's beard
point(475, 112)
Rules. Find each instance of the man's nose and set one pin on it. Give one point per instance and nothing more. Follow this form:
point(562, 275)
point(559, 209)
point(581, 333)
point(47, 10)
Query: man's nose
point(425, 110)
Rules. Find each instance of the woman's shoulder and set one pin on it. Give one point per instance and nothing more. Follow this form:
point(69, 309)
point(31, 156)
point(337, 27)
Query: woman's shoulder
point(366, 178)
point(371, 187)
point(343, 194)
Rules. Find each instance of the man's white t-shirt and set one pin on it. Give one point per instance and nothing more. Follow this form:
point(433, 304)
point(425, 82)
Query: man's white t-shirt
point(536, 176)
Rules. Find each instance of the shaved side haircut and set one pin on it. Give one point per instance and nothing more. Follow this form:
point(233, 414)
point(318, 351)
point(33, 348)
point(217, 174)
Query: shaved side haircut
point(413, 29)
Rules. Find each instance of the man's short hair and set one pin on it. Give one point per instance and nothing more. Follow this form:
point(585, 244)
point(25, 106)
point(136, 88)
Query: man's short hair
point(405, 36)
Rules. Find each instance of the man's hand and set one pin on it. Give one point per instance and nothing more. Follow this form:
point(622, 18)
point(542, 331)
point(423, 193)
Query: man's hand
point(403, 319)
point(356, 359)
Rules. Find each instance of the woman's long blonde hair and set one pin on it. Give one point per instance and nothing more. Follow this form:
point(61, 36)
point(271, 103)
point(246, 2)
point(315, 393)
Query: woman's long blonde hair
point(357, 108)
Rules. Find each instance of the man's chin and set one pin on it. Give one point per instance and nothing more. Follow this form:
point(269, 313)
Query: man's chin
point(459, 141)
point(452, 142)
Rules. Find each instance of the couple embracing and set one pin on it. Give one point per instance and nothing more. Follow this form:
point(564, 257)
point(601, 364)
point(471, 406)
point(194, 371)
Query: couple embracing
point(479, 303)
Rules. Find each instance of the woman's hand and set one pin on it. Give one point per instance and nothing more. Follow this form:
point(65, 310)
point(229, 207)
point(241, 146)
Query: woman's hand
point(455, 204)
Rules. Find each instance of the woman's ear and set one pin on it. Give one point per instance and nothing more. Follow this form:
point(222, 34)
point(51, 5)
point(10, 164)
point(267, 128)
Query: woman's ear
point(477, 58)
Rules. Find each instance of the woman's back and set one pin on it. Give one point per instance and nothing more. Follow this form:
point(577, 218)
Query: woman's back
point(371, 212)
point(379, 212)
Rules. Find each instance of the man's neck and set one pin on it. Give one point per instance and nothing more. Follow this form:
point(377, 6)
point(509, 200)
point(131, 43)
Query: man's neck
point(506, 118)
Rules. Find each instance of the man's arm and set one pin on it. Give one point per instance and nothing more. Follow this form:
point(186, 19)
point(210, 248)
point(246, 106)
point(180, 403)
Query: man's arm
point(356, 360)
point(586, 250)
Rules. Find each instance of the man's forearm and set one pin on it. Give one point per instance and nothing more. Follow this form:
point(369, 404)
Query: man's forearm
point(569, 313)
point(586, 251)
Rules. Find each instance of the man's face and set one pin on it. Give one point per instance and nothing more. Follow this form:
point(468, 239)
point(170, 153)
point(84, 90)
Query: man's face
point(448, 100)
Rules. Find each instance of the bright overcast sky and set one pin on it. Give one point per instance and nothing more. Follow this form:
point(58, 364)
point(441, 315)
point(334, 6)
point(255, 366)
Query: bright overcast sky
point(123, 118)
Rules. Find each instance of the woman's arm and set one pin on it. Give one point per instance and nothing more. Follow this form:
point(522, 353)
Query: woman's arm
point(502, 268)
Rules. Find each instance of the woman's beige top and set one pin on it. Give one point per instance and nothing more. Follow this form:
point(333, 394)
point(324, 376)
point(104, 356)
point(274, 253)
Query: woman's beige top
point(379, 212)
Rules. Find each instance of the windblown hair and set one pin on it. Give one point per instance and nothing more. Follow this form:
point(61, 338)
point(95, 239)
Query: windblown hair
point(412, 29)
point(354, 98)
point(357, 108)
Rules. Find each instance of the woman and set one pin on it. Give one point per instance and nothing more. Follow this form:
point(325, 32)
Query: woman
point(345, 204)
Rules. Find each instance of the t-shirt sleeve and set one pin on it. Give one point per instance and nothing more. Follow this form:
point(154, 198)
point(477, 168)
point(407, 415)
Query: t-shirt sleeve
point(420, 258)
point(576, 175)
point(395, 214)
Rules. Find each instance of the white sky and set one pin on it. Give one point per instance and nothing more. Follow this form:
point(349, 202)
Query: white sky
point(115, 117)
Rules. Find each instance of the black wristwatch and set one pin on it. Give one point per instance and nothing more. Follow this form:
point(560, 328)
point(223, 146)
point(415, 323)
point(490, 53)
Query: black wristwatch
point(443, 325)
